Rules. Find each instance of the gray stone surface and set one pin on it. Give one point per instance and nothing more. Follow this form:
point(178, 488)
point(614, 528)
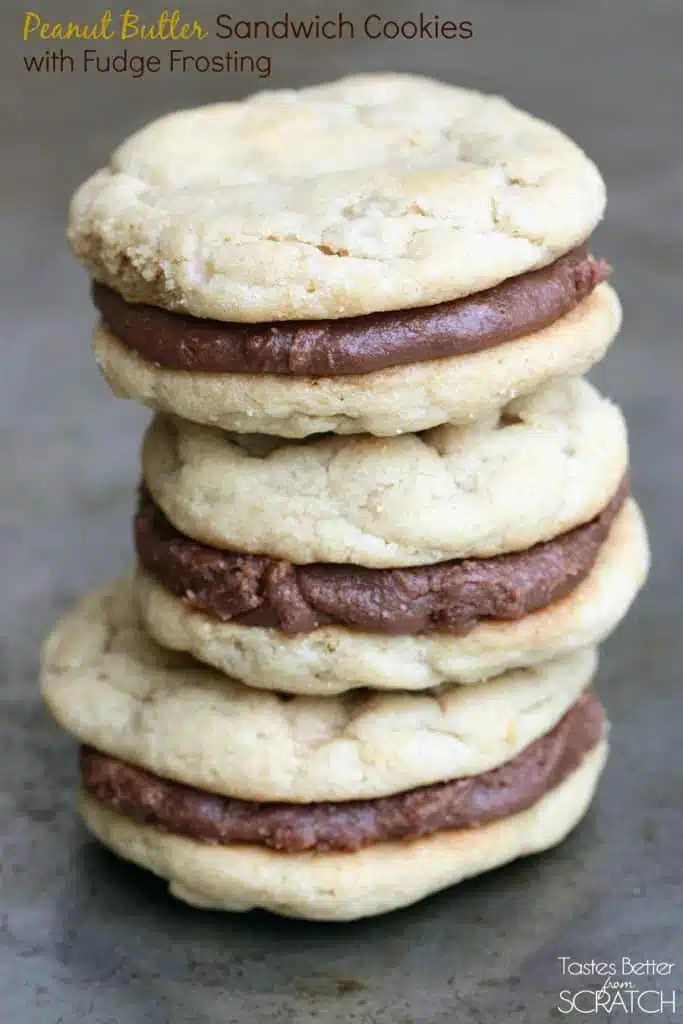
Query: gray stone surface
point(85, 938)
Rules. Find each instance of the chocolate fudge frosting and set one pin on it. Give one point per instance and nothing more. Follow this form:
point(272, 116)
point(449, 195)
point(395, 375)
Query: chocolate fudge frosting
point(292, 828)
point(355, 345)
point(450, 597)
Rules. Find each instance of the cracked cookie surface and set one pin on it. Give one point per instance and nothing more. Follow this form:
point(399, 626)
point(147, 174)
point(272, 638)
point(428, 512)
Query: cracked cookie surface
point(371, 193)
point(546, 464)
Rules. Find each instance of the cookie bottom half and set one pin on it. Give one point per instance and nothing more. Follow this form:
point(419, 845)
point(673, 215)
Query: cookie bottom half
point(343, 886)
point(335, 659)
point(402, 399)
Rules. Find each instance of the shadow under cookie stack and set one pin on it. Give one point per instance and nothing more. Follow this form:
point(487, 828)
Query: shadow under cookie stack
point(383, 521)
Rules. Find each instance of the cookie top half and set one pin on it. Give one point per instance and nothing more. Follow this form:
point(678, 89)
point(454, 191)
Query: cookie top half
point(376, 192)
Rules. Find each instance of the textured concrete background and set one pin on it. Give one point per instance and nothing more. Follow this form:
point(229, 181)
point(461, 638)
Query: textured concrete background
point(85, 938)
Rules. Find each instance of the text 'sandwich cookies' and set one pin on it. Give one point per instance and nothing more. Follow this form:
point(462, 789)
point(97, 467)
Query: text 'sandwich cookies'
point(382, 522)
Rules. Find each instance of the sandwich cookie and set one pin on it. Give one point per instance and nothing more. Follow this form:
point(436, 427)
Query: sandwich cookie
point(520, 580)
point(344, 886)
point(329, 809)
point(331, 659)
point(382, 254)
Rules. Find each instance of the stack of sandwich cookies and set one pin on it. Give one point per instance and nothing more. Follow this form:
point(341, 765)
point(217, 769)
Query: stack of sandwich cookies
point(350, 670)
